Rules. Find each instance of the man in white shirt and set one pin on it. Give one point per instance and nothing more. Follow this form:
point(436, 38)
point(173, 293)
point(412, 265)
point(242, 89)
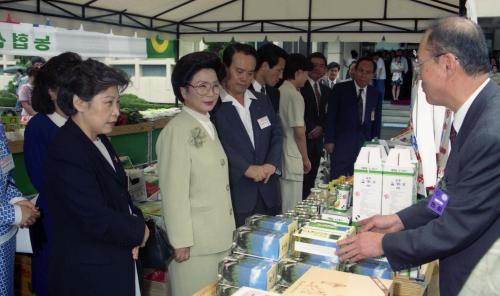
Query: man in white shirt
point(380, 75)
point(271, 60)
point(251, 135)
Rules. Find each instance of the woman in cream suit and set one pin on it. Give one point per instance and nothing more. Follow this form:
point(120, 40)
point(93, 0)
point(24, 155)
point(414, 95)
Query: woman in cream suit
point(194, 178)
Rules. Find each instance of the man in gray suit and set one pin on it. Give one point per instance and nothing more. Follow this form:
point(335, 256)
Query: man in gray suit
point(459, 224)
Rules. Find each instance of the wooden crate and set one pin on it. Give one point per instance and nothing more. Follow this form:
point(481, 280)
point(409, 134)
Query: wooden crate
point(403, 286)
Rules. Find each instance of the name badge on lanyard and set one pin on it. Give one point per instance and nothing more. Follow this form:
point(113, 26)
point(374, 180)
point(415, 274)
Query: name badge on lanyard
point(438, 201)
point(6, 163)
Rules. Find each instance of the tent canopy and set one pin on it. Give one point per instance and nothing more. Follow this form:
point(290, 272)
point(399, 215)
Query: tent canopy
point(243, 20)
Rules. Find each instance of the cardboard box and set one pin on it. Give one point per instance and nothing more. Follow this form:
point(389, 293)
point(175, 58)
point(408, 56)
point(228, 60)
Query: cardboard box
point(245, 271)
point(331, 227)
point(261, 243)
point(245, 291)
point(399, 181)
point(369, 267)
point(317, 281)
point(273, 223)
point(329, 214)
point(316, 242)
point(367, 187)
point(290, 270)
point(404, 286)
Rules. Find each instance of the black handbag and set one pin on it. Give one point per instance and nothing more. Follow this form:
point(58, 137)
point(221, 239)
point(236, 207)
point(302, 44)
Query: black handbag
point(157, 252)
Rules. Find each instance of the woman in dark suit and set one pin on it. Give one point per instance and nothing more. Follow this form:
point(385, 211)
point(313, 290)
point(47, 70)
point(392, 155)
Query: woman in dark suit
point(96, 229)
point(40, 131)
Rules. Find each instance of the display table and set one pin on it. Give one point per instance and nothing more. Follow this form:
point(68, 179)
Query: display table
point(137, 141)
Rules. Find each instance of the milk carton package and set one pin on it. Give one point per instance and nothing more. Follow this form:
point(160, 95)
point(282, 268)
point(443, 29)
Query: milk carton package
point(367, 185)
point(371, 267)
point(260, 242)
point(318, 242)
point(290, 270)
point(399, 189)
point(273, 223)
point(245, 271)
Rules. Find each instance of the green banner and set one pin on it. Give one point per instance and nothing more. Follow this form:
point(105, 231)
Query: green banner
point(160, 49)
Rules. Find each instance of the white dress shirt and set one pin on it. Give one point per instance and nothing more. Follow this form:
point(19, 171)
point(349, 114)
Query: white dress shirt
point(243, 110)
point(203, 119)
point(312, 82)
point(256, 86)
point(462, 111)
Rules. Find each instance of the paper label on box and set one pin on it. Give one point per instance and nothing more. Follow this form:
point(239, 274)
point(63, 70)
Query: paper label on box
point(367, 195)
point(316, 250)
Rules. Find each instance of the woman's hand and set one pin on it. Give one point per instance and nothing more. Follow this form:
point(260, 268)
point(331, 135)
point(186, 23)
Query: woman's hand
point(181, 254)
point(135, 251)
point(29, 213)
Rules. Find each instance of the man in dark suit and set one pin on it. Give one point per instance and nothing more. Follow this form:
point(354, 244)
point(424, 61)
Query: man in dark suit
point(332, 75)
point(251, 135)
point(315, 98)
point(353, 117)
point(271, 60)
point(459, 224)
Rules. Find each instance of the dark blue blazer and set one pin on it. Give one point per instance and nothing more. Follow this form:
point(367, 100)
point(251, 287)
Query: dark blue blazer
point(343, 128)
point(93, 230)
point(470, 223)
point(241, 154)
point(38, 135)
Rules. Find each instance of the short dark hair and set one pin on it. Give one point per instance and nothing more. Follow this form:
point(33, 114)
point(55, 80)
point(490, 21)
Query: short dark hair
point(50, 77)
point(36, 59)
point(333, 65)
point(318, 55)
point(464, 39)
point(86, 80)
point(31, 71)
point(231, 49)
point(366, 59)
point(270, 53)
point(294, 63)
point(189, 65)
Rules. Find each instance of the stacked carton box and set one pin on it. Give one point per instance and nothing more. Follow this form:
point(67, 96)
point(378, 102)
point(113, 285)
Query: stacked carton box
point(367, 187)
point(399, 181)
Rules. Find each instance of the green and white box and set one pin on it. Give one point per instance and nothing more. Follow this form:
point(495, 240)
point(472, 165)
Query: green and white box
point(367, 186)
point(399, 187)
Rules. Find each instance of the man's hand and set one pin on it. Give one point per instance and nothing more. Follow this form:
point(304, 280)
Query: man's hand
point(181, 254)
point(315, 133)
point(361, 246)
point(329, 147)
point(256, 173)
point(307, 165)
point(382, 224)
point(269, 170)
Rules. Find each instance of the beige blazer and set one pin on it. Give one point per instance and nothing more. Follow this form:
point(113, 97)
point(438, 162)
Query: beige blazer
point(194, 183)
point(291, 113)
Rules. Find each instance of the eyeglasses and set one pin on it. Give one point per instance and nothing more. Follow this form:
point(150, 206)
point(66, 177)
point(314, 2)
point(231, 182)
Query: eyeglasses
point(203, 88)
point(420, 63)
